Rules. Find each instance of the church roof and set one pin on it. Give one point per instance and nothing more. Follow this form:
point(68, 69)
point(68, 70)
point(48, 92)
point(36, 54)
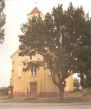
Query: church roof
point(35, 10)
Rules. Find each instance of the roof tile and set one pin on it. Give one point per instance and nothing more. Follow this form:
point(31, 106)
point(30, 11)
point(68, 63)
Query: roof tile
point(35, 10)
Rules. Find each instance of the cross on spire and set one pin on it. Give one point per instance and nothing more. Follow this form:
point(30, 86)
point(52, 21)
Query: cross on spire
point(36, 3)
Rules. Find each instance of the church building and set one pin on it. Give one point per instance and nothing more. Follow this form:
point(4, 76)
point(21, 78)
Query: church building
point(33, 82)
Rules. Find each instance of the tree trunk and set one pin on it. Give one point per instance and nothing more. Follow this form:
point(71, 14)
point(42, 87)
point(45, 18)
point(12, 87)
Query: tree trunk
point(61, 93)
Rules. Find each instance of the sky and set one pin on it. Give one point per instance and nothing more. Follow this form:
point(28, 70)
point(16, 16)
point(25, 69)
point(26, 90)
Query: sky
point(16, 14)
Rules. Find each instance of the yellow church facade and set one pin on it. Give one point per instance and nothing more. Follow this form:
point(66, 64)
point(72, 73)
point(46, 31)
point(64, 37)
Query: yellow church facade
point(31, 82)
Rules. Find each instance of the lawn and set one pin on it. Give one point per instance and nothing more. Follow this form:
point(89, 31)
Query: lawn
point(77, 96)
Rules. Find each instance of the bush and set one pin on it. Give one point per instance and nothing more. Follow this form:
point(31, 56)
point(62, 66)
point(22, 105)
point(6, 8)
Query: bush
point(3, 91)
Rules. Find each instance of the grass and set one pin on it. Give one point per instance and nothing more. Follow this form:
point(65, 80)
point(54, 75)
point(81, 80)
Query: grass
point(77, 96)
point(71, 98)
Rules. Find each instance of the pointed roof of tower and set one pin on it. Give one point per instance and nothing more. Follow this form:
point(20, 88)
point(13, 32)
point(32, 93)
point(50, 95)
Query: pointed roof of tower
point(35, 10)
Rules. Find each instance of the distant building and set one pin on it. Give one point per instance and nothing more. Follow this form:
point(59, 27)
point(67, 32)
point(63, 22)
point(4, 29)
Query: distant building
point(34, 82)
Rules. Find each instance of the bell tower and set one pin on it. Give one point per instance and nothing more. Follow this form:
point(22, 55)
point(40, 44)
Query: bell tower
point(34, 12)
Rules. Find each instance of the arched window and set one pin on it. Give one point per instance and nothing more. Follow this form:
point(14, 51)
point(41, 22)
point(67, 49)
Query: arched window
point(33, 71)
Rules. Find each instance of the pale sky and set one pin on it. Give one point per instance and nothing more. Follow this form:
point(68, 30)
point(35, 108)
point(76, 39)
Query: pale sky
point(16, 11)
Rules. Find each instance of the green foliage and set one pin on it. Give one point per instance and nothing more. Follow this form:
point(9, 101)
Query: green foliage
point(60, 38)
point(2, 20)
point(84, 57)
point(3, 91)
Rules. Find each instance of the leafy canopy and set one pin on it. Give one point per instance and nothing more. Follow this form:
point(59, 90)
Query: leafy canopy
point(2, 20)
point(60, 38)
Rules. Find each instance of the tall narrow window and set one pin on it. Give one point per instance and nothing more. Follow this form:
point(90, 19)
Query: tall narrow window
point(19, 70)
point(49, 72)
point(33, 71)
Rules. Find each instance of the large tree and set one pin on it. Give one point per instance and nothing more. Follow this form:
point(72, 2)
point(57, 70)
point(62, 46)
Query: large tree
point(2, 20)
point(84, 57)
point(57, 38)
